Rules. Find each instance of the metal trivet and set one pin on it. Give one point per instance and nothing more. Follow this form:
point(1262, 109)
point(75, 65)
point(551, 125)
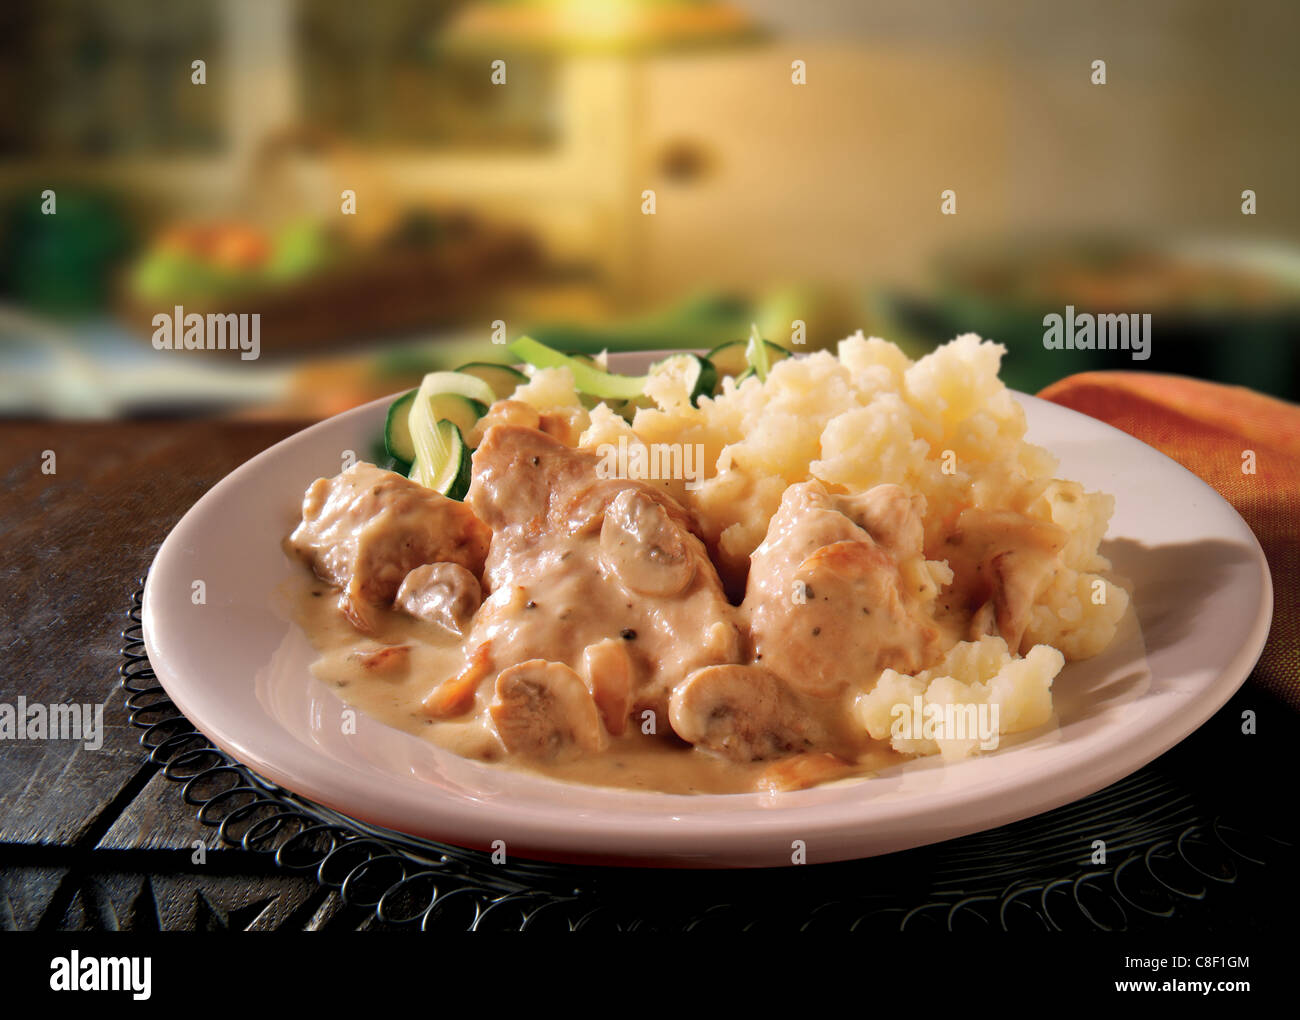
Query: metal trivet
point(1173, 853)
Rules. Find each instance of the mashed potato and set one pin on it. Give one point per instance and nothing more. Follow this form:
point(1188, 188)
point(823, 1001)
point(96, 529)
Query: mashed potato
point(978, 673)
point(945, 429)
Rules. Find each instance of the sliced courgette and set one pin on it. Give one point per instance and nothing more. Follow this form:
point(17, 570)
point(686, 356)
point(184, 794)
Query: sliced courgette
point(604, 385)
point(582, 357)
point(586, 399)
point(445, 403)
point(397, 430)
point(463, 412)
point(445, 462)
point(729, 358)
point(458, 398)
point(502, 378)
point(464, 384)
point(756, 353)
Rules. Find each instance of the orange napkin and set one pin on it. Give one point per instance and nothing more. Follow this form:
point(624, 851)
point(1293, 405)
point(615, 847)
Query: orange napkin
point(1206, 427)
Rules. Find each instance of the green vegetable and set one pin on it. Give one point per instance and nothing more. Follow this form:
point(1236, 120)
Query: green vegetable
point(463, 412)
point(586, 399)
point(756, 353)
point(299, 249)
point(502, 378)
point(730, 358)
point(448, 459)
point(446, 406)
point(397, 430)
point(598, 383)
point(460, 383)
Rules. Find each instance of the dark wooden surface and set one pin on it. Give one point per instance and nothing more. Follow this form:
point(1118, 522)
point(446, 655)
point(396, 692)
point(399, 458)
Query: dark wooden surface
point(101, 840)
point(98, 839)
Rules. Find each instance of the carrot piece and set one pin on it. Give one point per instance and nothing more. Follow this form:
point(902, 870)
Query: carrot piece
point(388, 659)
point(455, 694)
point(802, 771)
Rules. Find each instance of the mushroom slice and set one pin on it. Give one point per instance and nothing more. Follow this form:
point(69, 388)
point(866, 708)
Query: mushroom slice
point(443, 593)
point(640, 544)
point(743, 712)
point(609, 668)
point(543, 710)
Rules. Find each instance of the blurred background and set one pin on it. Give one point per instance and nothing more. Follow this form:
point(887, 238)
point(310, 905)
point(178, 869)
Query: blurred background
point(484, 204)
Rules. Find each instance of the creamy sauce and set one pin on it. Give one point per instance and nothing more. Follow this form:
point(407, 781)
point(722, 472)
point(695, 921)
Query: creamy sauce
point(634, 761)
point(613, 654)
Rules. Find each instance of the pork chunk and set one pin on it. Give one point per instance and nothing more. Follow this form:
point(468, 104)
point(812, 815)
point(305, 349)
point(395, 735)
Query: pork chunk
point(578, 561)
point(827, 604)
point(366, 529)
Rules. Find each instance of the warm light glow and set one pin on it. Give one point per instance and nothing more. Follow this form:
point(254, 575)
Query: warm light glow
point(598, 20)
point(599, 25)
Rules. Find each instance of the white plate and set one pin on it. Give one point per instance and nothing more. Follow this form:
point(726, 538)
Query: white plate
point(238, 668)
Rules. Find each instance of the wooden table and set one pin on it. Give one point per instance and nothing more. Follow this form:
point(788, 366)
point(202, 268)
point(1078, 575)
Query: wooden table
point(100, 840)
